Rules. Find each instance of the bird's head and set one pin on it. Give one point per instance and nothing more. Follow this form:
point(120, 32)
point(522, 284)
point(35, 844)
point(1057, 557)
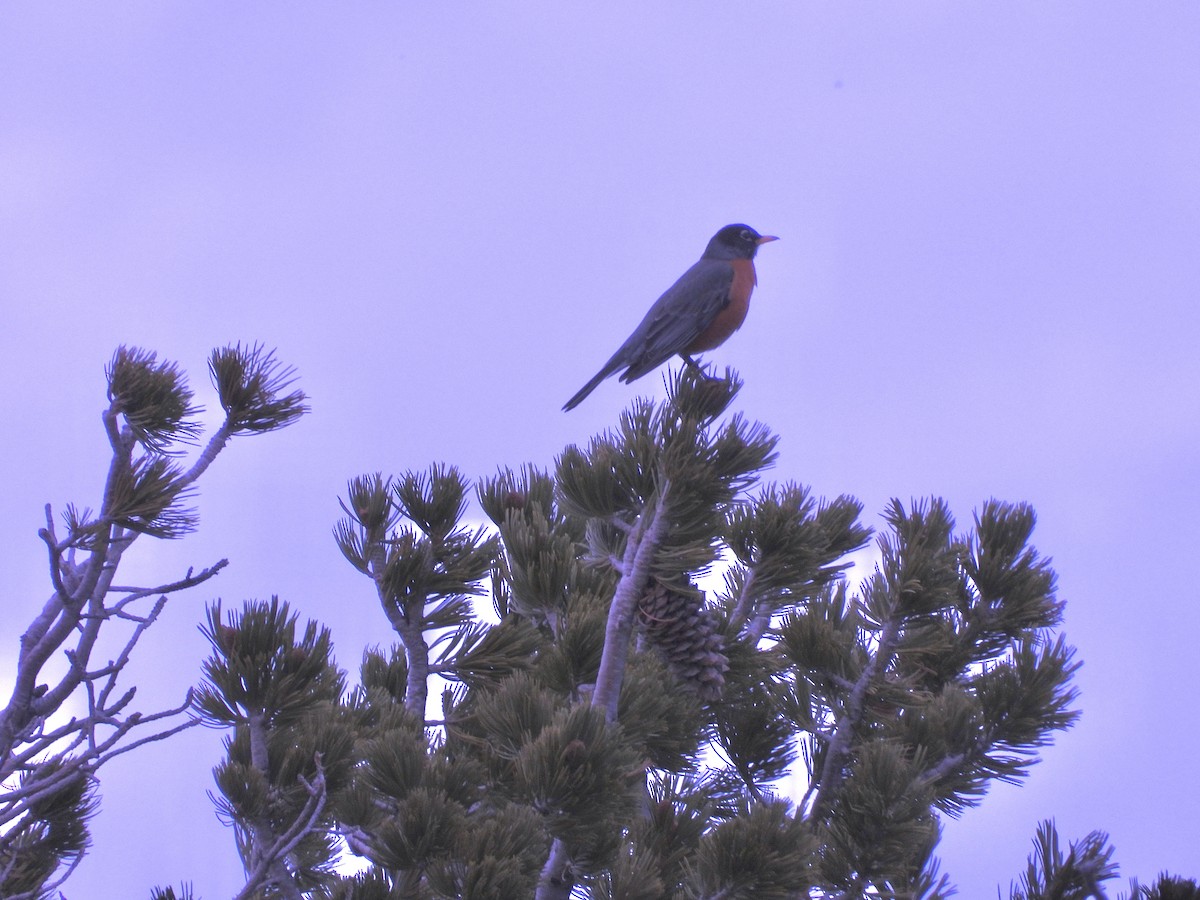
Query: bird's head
point(736, 242)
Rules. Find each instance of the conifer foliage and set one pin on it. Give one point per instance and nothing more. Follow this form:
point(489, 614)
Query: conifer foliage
point(679, 691)
point(617, 730)
point(49, 761)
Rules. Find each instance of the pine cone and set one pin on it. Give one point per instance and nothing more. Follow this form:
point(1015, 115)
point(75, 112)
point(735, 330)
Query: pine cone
point(685, 632)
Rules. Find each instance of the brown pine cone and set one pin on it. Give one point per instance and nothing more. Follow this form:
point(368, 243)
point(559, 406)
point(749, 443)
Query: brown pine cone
point(684, 631)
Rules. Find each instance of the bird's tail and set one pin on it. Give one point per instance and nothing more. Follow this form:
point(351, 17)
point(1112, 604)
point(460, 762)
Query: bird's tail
point(590, 386)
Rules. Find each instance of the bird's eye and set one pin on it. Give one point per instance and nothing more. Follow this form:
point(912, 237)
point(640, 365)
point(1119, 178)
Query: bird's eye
point(746, 235)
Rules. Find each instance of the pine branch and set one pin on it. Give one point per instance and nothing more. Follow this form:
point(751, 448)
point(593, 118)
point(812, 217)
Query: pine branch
point(556, 881)
point(363, 540)
point(52, 884)
point(149, 405)
point(251, 385)
point(278, 689)
point(423, 575)
point(269, 851)
point(190, 580)
point(788, 547)
point(640, 550)
point(643, 543)
point(837, 754)
point(42, 703)
point(1050, 875)
point(54, 831)
point(152, 397)
point(82, 604)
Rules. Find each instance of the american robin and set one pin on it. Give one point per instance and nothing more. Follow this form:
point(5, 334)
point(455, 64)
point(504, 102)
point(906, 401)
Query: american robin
point(697, 313)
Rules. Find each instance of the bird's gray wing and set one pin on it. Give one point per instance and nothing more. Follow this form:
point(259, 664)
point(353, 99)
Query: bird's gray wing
point(677, 318)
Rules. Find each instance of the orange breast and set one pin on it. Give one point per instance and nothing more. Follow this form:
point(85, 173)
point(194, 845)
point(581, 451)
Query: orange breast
point(731, 317)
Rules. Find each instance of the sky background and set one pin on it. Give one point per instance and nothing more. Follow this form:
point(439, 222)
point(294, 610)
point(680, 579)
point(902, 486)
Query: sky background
point(447, 216)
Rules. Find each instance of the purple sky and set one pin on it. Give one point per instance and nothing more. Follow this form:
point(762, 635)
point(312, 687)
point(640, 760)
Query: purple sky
point(447, 219)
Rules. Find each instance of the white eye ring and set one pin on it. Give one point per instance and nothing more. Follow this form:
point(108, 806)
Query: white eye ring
point(746, 235)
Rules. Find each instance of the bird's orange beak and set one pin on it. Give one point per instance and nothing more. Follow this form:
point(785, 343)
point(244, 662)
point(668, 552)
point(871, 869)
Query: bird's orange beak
point(766, 239)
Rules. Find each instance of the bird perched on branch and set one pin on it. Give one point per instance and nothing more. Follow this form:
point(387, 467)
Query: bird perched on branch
point(698, 312)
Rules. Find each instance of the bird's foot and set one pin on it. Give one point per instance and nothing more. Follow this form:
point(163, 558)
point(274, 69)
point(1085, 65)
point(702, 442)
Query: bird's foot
point(698, 369)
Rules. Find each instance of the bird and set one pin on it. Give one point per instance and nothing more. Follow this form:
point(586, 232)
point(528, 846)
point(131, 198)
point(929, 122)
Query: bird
point(698, 312)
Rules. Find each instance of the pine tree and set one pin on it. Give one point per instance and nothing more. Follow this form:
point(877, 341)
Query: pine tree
point(48, 762)
point(620, 730)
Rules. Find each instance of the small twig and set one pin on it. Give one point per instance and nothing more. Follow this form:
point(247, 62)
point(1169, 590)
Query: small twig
point(123, 658)
point(741, 609)
point(620, 524)
point(137, 719)
point(188, 581)
point(51, 541)
point(38, 745)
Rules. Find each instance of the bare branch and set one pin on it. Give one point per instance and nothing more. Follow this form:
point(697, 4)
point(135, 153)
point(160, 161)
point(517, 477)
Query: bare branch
point(135, 593)
point(15, 802)
point(158, 736)
point(51, 540)
point(123, 658)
